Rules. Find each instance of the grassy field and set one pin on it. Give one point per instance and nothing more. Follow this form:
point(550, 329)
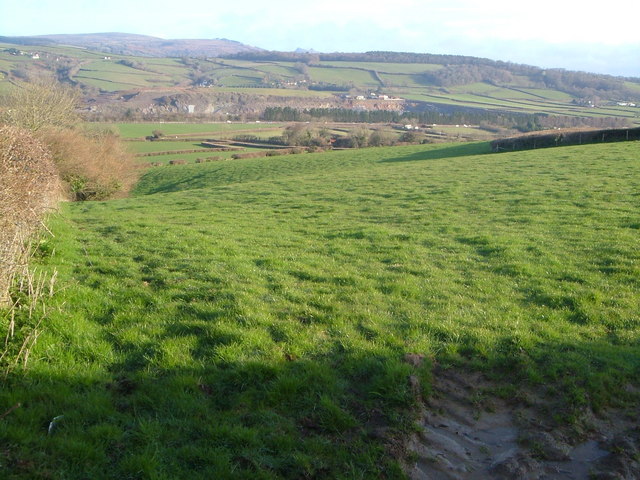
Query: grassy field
point(249, 319)
point(164, 146)
point(141, 130)
point(189, 136)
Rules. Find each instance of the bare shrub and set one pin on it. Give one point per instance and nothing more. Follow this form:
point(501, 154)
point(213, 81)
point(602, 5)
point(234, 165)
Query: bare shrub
point(29, 187)
point(40, 104)
point(241, 156)
point(93, 164)
point(276, 153)
point(93, 167)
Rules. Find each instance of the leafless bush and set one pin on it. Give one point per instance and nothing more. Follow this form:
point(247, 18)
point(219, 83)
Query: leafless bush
point(40, 104)
point(240, 156)
point(93, 166)
point(29, 187)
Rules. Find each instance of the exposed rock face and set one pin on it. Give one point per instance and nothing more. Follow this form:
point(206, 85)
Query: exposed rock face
point(209, 102)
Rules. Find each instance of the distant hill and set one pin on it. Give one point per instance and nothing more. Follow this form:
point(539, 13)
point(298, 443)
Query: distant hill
point(138, 45)
point(223, 77)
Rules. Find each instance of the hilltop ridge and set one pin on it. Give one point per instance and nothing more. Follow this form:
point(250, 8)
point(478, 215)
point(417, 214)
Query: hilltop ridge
point(140, 45)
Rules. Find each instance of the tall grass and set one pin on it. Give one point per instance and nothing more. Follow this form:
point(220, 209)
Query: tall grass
point(29, 188)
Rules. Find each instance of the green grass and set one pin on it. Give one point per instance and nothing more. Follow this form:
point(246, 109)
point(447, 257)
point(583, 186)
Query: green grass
point(344, 76)
point(278, 92)
point(141, 130)
point(163, 146)
point(249, 319)
point(400, 68)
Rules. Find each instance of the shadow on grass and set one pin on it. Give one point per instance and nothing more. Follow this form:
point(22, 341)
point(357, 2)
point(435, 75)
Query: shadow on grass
point(274, 419)
point(187, 182)
point(191, 401)
point(445, 151)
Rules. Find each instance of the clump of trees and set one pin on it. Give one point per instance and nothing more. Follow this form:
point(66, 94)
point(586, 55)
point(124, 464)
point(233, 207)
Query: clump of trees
point(301, 135)
point(93, 165)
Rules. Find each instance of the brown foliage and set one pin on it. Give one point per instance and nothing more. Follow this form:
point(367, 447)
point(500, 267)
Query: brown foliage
point(28, 188)
point(93, 167)
point(240, 156)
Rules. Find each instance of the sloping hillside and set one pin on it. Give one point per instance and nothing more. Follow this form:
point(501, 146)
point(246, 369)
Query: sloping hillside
point(285, 318)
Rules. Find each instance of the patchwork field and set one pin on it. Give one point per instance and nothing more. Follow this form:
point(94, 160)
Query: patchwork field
point(105, 75)
point(252, 318)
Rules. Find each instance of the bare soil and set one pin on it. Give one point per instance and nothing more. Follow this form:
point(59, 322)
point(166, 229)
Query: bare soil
point(466, 433)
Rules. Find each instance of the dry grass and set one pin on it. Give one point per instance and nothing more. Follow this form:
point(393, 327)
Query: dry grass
point(26, 314)
point(29, 186)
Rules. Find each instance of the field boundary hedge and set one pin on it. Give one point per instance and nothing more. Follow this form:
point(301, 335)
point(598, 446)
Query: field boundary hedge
point(180, 152)
point(29, 187)
point(565, 138)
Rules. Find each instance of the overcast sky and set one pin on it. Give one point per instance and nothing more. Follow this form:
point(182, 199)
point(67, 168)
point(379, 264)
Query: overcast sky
point(592, 36)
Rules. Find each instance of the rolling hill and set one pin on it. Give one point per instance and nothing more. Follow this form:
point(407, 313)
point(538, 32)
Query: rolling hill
point(133, 44)
point(148, 77)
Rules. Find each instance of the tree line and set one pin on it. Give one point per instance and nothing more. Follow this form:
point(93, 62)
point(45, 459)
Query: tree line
point(523, 122)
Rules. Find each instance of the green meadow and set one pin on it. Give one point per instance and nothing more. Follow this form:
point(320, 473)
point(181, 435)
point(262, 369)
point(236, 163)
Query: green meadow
point(185, 137)
point(141, 130)
point(250, 318)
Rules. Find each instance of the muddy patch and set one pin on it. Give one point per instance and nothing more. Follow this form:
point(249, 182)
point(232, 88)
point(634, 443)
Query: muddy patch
point(465, 433)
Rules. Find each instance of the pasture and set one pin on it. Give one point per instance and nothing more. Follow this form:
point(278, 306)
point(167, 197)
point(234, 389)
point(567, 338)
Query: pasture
point(183, 141)
point(250, 319)
point(141, 130)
